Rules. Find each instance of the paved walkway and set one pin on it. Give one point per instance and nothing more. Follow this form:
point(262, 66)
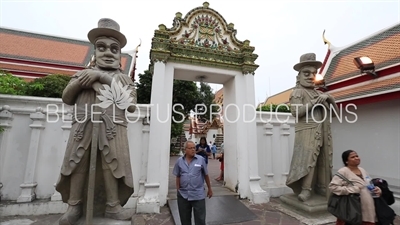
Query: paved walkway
point(267, 213)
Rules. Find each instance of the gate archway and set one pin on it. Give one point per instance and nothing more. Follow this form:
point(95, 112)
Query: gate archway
point(203, 44)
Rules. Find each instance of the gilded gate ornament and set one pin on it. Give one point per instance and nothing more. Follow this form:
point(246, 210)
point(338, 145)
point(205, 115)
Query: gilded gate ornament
point(203, 37)
point(205, 31)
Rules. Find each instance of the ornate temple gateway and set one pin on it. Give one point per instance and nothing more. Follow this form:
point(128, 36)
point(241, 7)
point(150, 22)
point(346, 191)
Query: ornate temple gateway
point(203, 46)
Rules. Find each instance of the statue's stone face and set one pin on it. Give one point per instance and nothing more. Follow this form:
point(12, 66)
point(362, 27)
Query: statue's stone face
point(107, 53)
point(307, 76)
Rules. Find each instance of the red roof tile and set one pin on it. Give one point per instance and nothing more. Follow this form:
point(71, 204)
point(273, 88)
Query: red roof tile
point(15, 45)
point(369, 89)
point(383, 48)
point(57, 51)
point(219, 96)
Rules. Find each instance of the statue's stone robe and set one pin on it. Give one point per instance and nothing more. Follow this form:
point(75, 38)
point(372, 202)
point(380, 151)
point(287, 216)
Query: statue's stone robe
point(312, 144)
point(112, 143)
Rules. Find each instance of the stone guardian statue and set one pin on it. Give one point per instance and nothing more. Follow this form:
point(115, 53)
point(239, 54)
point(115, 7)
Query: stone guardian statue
point(311, 166)
point(87, 88)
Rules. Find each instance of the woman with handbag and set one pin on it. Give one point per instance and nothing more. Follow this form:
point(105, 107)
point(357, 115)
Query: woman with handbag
point(359, 180)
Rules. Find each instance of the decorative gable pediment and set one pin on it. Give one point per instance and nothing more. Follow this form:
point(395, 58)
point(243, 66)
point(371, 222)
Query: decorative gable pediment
point(207, 30)
point(203, 37)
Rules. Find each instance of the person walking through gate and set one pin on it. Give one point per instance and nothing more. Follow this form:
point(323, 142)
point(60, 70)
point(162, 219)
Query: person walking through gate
point(203, 149)
point(214, 150)
point(191, 172)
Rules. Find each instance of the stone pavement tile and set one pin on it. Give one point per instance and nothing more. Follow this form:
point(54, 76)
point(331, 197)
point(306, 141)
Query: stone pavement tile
point(16, 222)
point(253, 222)
point(287, 220)
point(259, 211)
point(162, 218)
point(272, 217)
point(138, 219)
point(30, 220)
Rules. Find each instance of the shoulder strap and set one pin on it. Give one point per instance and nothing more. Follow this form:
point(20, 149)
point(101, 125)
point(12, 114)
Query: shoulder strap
point(344, 178)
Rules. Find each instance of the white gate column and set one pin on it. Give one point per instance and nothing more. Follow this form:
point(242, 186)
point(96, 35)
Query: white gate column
point(241, 160)
point(158, 155)
point(231, 137)
point(257, 194)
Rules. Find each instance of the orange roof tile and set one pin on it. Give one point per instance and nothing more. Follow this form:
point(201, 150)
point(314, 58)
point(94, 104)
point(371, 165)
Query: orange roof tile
point(219, 96)
point(124, 63)
point(280, 98)
point(43, 48)
point(34, 47)
point(368, 88)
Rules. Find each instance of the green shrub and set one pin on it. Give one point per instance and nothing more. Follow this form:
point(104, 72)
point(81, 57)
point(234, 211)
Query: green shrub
point(48, 86)
point(275, 108)
point(11, 85)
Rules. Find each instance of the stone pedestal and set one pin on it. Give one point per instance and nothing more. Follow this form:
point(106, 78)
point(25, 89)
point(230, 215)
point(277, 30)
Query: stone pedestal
point(101, 221)
point(315, 204)
point(311, 212)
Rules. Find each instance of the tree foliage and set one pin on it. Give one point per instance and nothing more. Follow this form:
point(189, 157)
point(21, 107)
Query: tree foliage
point(11, 85)
point(143, 89)
point(275, 108)
point(207, 98)
point(48, 86)
point(185, 93)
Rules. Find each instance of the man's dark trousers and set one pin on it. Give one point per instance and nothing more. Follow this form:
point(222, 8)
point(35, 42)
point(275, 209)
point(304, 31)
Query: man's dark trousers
point(185, 211)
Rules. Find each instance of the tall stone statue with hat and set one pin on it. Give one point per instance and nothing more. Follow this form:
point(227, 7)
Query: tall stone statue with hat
point(106, 135)
point(311, 165)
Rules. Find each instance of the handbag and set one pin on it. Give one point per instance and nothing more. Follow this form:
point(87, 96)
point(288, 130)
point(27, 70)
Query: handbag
point(384, 213)
point(346, 207)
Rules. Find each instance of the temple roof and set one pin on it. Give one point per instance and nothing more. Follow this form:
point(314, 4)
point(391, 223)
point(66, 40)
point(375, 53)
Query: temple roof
point(36, 55)
point(345, 80)
point(382, 47)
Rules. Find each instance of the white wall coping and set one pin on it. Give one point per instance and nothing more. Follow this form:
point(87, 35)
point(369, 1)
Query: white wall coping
point(4, 99)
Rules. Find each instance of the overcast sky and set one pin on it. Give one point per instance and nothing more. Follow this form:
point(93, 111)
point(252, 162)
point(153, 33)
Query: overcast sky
point(280, 30)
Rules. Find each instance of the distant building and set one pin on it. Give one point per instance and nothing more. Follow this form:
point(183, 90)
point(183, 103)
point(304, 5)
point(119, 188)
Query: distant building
point(280, 98)
point(219, 97)
point(196, 127)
